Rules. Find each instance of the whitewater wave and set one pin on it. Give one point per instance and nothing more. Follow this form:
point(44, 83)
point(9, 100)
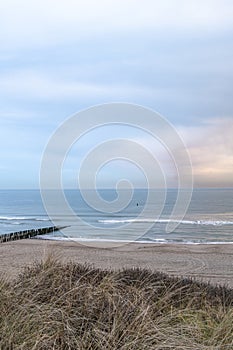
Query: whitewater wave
point(22, 218)
point(142, 241)
point(166, 221)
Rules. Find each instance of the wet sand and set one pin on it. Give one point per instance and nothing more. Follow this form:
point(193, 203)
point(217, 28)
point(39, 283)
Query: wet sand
point(209, 263)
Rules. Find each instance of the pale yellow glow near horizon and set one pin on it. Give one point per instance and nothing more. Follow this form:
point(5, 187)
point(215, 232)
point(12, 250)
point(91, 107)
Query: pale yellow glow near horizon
point(211, 152)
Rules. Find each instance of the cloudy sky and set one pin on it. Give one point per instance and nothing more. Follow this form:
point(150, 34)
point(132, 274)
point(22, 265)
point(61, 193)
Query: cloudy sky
point(59, 57)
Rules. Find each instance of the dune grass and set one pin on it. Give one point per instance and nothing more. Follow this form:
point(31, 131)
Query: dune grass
point(70, 306)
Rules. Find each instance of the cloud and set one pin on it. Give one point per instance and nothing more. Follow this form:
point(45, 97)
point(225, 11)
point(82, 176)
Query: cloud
point(211, 151)
point(210, 147)
point(52, 22)
point(58, 57)
point(180, 78)
point(32, 85)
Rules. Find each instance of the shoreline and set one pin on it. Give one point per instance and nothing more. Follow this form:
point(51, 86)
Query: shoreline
point(102, 241)
point(208, 263)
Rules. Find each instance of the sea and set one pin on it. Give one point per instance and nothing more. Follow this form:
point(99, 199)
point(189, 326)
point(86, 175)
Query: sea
point(208, 220)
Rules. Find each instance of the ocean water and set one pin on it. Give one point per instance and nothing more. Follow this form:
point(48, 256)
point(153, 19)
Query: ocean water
point(209, 218)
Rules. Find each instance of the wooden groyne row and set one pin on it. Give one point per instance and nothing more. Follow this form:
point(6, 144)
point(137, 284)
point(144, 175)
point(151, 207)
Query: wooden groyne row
point(13, 236)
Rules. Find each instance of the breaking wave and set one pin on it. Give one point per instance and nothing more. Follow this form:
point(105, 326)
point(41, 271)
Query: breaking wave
point(165, 221)
point(22, 218)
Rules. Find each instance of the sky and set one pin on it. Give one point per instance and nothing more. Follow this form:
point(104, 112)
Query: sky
point(60, 57)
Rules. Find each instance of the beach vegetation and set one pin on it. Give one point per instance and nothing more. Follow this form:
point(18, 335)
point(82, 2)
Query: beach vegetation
point(69, 306)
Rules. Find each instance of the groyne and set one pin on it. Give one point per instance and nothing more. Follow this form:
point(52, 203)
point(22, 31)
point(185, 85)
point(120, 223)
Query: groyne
point(13, 236)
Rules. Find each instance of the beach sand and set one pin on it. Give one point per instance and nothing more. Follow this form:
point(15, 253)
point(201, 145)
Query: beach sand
point(209, 263)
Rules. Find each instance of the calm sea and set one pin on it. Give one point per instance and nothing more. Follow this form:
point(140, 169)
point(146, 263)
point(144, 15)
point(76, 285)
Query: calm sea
point(209, 218)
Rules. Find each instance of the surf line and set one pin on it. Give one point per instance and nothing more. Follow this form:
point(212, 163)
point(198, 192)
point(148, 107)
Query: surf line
point(14, 236)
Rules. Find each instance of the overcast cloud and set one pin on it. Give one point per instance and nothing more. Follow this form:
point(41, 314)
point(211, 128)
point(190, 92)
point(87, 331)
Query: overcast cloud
point(58, 57)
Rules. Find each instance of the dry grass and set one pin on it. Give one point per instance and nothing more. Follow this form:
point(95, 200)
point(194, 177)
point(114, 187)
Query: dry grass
point(70, 306)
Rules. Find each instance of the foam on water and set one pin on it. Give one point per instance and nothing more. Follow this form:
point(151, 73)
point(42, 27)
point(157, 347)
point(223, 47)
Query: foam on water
point(22, 218)
point(147, 241)
point(164, 221)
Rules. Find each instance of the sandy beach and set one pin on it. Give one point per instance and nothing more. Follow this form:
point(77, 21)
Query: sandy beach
point(210, 263)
